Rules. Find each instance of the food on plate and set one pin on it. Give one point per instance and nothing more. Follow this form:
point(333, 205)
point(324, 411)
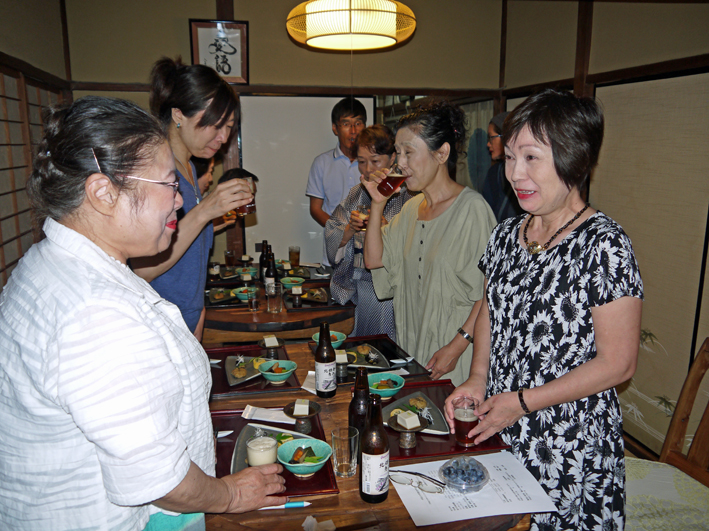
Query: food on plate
point(302, 407)
point(363, 349)
point(258, 362)
point(304, 455)
point(395, 412)
point(384, 384)
point(418, 402)
point(218, 295)
point(239, 372)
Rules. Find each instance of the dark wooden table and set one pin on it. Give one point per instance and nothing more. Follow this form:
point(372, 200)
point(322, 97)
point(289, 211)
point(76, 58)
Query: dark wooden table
point(225, 325)
point(346, 510)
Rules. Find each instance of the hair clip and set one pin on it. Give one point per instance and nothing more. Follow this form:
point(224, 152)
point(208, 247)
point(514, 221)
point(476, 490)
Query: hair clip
point(97, 164)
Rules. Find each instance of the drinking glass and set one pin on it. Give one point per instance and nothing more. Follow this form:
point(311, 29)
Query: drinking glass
point(363, 214)
point(294, 255)
point(465, 419)
point(274, 297)
point(252, 299)
point(230, 258)
point(392, 181)
point(261, 450)
point(251, 207)
point(345, 444)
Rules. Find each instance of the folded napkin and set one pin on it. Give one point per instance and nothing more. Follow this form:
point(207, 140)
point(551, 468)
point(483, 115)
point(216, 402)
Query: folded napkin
point(270, 415)
point(309, 383)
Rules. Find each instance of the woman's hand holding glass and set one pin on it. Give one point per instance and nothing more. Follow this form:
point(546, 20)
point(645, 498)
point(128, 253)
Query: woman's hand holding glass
point(357, 222)
point(371, 185)
point(227, 196)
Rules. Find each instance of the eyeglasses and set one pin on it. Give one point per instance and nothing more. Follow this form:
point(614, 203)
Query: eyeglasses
point(175, 185)
point(489, 138)
point(435, 487)
point(346, 124)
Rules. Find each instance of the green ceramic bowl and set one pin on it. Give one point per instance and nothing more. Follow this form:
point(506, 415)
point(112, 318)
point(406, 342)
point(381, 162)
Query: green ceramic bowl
point(289, 282)
point(288, 365)
point(240, 293)
point(321, 449)
point(335, 344)
point(247, 271)
point(384, 393)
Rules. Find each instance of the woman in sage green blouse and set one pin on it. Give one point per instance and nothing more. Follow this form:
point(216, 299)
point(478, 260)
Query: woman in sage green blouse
point(426, 258)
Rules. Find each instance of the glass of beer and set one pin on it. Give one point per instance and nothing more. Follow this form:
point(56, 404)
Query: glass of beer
point(230, 258)
point(392, 181)
point(294, 255)
point(251, 207)
point(252, 299)
point(465, 420)
point(363, 214)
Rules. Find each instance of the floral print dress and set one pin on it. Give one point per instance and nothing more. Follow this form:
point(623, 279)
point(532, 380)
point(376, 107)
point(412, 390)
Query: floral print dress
point(541, 328)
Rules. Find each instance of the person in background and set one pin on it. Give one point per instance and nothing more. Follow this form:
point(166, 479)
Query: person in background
point(335, 172)
point(560, 323)
point(424, 258)
point(496, 190)
point(104, 395)
point(205, 173)
point(344, 237)
point(197, 108)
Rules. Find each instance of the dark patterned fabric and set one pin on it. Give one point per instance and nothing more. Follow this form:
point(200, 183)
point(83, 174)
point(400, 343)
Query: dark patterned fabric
point(351, 280)
point(541, 328)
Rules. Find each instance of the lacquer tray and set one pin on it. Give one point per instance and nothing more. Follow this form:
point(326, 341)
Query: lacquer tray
point(435, 445)
point(322, 482)
point(308, 305)
point(389, 349)
point(220, 384)
point(229, 300)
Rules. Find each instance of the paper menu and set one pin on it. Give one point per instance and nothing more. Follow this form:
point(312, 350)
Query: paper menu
point(511, 490)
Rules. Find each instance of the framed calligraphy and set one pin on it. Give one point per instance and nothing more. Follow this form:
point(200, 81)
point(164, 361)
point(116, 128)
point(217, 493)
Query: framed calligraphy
point(222, 45)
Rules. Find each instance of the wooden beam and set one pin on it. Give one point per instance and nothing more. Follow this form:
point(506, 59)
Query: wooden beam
point(503, 44)
point(32, 72)
point(65, 40)
point(696, 64)
point(526, 90)
point(225, 9)
point(584, 30)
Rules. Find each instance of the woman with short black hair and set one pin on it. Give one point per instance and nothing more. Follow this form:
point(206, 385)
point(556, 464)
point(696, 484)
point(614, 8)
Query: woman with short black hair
point(560, 323)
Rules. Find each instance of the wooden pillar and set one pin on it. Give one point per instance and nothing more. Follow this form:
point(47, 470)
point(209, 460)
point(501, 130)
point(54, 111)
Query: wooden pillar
point(583, 48)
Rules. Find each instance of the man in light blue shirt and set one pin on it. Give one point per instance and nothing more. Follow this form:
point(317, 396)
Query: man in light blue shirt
point(335, 172)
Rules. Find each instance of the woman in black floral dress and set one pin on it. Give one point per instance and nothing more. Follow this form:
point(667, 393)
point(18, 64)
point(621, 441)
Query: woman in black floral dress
point(561, 324)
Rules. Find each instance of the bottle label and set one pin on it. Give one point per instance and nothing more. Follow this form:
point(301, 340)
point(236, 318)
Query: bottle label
point(375, 473)
point(325, 376)
point(269, 280)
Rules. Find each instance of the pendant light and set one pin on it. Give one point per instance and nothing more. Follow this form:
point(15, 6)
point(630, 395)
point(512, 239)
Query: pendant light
point(351, 24)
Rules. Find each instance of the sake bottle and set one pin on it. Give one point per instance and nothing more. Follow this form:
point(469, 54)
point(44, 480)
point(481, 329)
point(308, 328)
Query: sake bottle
point(325, 380)
point(374, 472)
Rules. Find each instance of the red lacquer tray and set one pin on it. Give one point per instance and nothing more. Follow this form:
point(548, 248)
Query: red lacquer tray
point(435, 445)
point(322, 482)
point(220, 384)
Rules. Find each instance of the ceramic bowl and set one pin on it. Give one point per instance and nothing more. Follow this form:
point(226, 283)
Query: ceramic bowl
point(289, 282)
point(375, 377)
point(288, 365)
point(247, 271)
point(335, 343)
point(287, 449)
point(241, 293)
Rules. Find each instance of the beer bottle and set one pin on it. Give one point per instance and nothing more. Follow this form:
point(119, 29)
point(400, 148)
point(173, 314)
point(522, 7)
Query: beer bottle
point(270, 276)
point(359, 405)
point(325, 382)
point(374, 472)
point(262, 259)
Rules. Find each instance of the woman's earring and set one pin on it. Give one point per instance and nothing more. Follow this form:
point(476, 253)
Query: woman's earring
point(179, 125)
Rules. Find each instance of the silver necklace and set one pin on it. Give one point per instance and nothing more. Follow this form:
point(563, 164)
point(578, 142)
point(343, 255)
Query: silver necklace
point(187, 177)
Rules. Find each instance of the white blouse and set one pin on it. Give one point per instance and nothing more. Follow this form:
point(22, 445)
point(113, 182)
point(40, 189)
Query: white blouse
point(103, 392)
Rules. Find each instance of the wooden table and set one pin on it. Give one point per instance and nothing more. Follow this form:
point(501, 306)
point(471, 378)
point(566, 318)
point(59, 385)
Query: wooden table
point(346, 510)
point(241, 325)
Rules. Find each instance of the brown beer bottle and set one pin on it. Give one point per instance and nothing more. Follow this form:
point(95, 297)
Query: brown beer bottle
point(262, 259)
point(325, 379)
point(374, 472)
point(359, 405)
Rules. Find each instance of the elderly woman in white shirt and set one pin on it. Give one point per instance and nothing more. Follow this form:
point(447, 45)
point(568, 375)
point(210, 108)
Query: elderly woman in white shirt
point(104, 390)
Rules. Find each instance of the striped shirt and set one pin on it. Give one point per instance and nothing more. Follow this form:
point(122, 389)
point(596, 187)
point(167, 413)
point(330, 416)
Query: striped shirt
point(103, 392)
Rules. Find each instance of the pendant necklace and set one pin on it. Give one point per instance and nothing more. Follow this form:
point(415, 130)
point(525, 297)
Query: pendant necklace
point(534, 247)
point(187, 176)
